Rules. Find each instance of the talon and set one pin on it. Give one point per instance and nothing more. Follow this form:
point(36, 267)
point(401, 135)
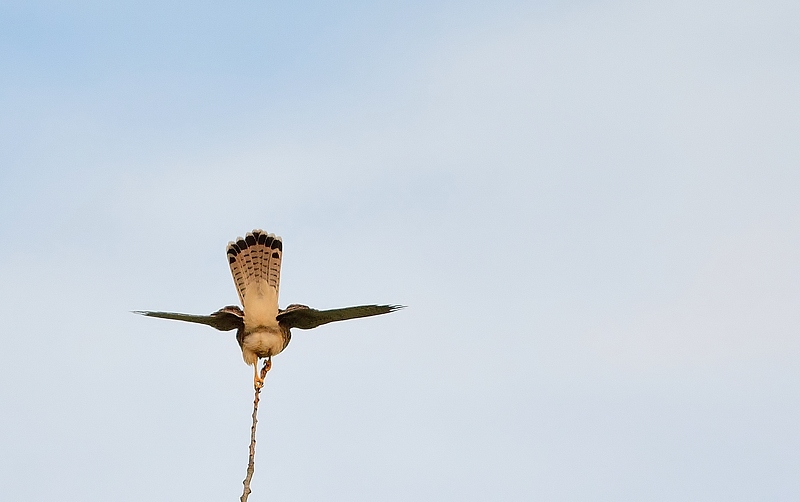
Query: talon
point(258, 382)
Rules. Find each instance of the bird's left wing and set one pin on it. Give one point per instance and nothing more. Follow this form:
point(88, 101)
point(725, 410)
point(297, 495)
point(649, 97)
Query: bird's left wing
point(224, 319)
point(302, 317)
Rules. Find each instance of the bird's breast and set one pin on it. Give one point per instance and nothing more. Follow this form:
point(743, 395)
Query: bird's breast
point(263, 341)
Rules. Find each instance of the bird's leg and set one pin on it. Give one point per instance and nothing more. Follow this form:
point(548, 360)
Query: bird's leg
point(257, 382)
point(267, 367)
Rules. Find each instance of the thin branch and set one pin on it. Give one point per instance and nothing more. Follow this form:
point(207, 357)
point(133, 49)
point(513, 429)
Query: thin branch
point(252, 459)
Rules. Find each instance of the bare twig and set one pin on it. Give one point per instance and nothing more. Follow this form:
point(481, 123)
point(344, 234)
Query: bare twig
point(252, 459)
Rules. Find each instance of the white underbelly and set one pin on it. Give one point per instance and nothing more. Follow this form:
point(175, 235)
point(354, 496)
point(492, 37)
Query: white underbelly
point(261, 344)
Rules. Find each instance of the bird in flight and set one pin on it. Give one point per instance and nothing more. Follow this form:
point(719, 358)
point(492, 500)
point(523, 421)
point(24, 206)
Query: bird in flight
point(262, 329)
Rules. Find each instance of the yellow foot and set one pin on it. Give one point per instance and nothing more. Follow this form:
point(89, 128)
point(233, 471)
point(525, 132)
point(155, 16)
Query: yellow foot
point(258, 380)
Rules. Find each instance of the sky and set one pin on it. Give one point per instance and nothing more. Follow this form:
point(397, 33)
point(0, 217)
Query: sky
point(589, 208)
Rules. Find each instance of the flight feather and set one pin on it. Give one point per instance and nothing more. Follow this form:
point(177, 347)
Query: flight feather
point(302, 317)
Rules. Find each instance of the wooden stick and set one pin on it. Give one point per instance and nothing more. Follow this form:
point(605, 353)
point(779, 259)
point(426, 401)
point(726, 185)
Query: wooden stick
point(252, 459)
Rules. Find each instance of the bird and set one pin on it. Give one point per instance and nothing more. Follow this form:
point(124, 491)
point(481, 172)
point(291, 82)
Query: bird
point(263, 330)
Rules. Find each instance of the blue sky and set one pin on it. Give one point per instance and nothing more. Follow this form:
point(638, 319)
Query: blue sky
point(590, 209)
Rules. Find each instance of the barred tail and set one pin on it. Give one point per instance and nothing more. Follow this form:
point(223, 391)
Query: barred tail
point(255, 261)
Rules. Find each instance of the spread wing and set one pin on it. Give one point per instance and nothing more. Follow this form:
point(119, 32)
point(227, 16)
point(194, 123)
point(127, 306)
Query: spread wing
point(224, 319)
point(302, 317)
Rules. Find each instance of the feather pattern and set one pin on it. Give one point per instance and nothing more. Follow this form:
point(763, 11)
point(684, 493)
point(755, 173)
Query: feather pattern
point(254, 258)
point(255, 262)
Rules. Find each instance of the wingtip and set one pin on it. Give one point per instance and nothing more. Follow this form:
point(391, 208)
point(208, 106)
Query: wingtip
point(146, 313)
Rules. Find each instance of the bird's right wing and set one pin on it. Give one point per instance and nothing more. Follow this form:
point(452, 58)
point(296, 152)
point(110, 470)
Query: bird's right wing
point(302, 317)
point(224, 319)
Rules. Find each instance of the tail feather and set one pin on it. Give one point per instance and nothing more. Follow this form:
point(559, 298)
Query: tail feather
point(275, 252)
point(255, 262)
point(236, 262)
